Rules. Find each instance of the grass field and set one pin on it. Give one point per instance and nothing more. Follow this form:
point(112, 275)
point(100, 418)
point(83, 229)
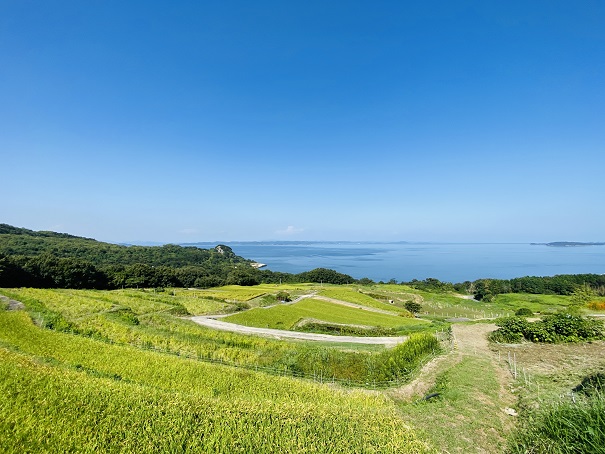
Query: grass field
point(467, 414)
point(355, 295)
point(286, 316)
point(124, 371)
point(147, 320)
point(64, 393)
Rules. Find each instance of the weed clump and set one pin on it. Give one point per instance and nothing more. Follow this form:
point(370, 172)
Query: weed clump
point(566, 426)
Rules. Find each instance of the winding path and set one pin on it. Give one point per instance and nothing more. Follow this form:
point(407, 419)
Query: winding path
point(282, 334)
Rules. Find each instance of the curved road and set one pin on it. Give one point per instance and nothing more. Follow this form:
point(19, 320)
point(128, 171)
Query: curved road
point(281, 334)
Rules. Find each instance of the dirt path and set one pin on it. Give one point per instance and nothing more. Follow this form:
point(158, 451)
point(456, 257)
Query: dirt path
point(281, 334)
point(468, 339)
point(211, 321)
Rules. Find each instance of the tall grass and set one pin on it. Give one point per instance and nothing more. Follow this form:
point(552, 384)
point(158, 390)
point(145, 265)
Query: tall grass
point(66, 393)
point(563, 427)
point(92, 313)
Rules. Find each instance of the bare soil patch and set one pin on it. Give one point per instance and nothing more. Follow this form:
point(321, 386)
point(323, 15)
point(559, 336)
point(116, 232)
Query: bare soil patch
point(12, 305)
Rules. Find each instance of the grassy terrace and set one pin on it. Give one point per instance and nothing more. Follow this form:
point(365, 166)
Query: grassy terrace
point(61, 393)
point(127, 371)
point(287, 316)
point(151, 320)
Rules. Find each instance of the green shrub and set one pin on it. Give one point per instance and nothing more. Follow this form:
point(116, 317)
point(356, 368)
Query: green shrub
point(413, 307)
point(511, 330)
point(524, 312)
point(561, 327)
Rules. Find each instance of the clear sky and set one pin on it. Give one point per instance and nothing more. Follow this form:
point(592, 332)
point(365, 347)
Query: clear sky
point(304, 120)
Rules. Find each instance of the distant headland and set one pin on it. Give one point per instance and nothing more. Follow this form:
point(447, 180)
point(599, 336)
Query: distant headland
point(567, 244)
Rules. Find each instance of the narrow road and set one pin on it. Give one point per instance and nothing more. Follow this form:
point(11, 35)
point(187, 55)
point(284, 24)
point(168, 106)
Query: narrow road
point(281, 334)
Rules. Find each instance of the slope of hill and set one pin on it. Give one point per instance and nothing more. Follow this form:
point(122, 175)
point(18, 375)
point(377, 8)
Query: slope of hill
point(49, 259)
point(19, 241)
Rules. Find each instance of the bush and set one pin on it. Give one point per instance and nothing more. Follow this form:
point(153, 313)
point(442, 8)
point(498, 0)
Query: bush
point(597, 305)
point(283, 296)
point(511, 330)
point(413, 307)
point(524, 312)
point(562, 327)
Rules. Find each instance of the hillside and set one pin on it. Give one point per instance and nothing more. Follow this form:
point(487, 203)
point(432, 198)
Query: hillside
point(60, 260)
point(20, 241)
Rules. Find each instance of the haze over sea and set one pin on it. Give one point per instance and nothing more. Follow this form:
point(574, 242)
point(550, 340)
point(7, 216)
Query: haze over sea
point(450, 262)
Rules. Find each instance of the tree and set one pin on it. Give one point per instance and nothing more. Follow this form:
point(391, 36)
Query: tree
point(413, 307)
point(582, 295)
point(365, 281)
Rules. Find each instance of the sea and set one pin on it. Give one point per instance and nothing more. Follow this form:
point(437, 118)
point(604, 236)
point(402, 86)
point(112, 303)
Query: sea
point(405, 261)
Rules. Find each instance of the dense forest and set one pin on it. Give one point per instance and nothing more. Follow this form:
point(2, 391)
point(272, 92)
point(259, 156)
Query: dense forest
point(59, 260)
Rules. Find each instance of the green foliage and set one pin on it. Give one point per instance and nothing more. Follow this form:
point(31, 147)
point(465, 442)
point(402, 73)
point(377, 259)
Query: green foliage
point(524, 312)
point(345, 330)
point(283, 296)
point(325, 276)
point(562, 427)
point(287, 316)
point(561, 327)
point(399, 362)
point(50, 260)
point(582, 295)
point(241, 306)
point(431, 285)
point(511, 330)
point(413, 307)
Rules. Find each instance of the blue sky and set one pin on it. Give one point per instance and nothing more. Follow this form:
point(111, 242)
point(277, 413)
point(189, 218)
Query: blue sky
point(236, 120)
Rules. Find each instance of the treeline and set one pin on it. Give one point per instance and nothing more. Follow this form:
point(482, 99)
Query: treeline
point(58, 260)
point(48, 271)
point(487, 289)
point(561, 284)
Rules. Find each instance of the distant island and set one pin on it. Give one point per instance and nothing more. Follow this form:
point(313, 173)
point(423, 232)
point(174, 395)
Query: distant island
point(567, 244)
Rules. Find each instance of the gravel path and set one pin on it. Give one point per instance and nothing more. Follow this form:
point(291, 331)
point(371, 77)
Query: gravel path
point(281, 334)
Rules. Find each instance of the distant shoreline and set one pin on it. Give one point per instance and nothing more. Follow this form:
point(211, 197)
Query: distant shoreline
point(567, 244)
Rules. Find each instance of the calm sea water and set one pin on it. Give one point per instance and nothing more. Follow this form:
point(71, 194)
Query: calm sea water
point(451, 262)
